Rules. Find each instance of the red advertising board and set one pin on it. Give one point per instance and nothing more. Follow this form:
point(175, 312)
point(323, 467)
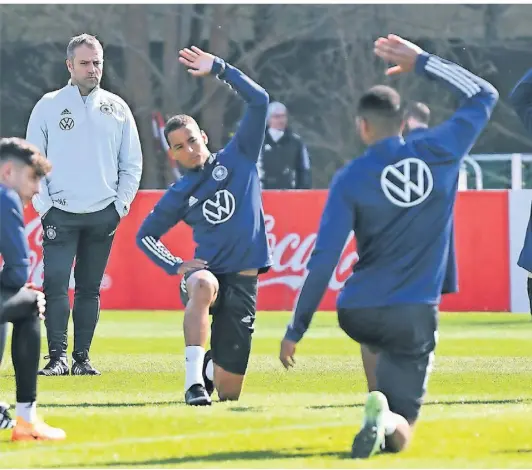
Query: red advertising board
point(132, 282)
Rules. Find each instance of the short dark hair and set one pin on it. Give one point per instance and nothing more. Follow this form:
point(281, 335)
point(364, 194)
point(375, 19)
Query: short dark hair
point(419, 111)
point(20, 150)
point(177, 122)
point(381, 107)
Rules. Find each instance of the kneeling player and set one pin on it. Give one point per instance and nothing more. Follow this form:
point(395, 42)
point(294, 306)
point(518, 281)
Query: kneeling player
point(21, 167)
point(219, 196)
point(398, 197)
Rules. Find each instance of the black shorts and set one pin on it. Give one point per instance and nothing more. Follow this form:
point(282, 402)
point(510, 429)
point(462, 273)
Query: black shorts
point(405, 337)
point(233, 320)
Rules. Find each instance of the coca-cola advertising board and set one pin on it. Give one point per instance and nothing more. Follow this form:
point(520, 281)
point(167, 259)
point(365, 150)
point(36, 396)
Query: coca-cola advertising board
point(132, 281)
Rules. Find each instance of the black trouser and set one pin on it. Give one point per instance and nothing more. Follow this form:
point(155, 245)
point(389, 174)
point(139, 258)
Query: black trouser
point(20, 309)
point(88, 238)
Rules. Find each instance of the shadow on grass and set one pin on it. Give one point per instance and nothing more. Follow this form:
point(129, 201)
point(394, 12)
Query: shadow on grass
point(243, 409)
point(112, 405)
point(511, 401)
point(223, 457)
point(513, 451)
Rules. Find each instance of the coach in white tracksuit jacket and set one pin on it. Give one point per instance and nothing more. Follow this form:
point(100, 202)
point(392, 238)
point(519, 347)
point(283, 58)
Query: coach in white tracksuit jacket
point(91, 139)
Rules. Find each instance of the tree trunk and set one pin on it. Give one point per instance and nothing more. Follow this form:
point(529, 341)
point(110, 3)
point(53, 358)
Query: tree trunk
point(169, 86)
point(139, 90)
point(491, 19)
point(177, 87)
point(212, 116)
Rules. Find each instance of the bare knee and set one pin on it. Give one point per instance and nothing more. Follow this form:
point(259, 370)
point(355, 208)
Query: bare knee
point(229, 390)
point(400, 439)
point(228, 385)
point(396, 443)
point(202, 287)
point(229, 395)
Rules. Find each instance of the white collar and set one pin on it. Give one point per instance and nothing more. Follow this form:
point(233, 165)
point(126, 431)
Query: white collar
point(93, 91)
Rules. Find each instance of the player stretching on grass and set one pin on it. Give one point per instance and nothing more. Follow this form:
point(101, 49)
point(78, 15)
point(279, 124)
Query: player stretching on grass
point(398, 197)
point(21, 169)
point(219, 196)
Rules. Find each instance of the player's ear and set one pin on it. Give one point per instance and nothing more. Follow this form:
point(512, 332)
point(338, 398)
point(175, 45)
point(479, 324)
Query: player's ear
point(6, 170)
point(205, 137)
point(364, 131)
point(69, 65)
point(361, 126)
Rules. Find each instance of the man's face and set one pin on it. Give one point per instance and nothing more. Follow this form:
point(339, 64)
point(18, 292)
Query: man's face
point(86, 67)
point(412, 123)
point(278, 121)
point(21, 178)
point(188, 146)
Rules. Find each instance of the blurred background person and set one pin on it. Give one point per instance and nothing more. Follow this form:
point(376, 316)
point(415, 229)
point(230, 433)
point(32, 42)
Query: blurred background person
point(284, 162)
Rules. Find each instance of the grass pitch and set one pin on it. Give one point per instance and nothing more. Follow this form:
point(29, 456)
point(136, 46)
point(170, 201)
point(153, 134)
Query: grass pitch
point(478, 410)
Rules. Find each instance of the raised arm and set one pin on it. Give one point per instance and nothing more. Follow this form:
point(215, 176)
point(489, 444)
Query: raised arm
point(250, 133)
point(455, 137)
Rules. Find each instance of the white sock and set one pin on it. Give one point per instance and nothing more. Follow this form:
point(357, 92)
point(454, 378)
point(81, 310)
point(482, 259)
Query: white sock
point(390, 423)
point(193, 365)
point(209, 370)
point(27, 411)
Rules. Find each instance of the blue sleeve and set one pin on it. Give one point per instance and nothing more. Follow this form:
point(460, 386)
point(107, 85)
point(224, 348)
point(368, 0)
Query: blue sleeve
point(455, 137)
point(249, 136)
point(521, 100)
point(13, 243)
point(166, 214)
point(336, 224)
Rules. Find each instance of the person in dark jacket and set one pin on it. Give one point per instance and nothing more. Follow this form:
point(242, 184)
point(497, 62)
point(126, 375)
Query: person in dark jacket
point(284, 162)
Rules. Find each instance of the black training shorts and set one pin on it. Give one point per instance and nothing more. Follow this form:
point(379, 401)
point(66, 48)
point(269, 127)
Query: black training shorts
point(233, 319)
point(405, 337)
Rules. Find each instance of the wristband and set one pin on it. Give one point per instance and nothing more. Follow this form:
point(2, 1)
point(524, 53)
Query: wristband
point(218, 67)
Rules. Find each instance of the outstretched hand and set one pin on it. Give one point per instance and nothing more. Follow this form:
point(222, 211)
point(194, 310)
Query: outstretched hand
point(399, 51)
point(199, 63)
point(287, 353)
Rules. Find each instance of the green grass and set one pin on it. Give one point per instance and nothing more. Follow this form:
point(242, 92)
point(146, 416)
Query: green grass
point(478, 410)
